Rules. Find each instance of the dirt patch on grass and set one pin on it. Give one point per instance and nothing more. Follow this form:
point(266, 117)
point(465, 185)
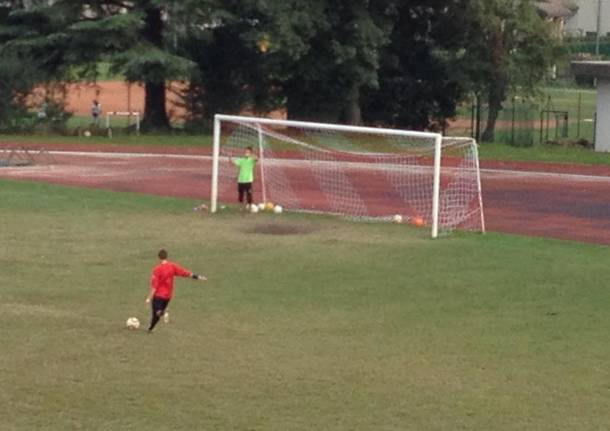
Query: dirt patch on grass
point(275, 228)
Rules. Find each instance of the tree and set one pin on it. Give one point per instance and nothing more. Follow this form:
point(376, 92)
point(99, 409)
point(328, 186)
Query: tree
point(420, 79)
point(509, 47)
point(224, 40)
point(18, 76)
point(314, 58)
point(129, 35)
point(343, 40)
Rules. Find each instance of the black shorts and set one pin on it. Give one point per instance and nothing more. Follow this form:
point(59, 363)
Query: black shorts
point(244, 189)
point(159, 304)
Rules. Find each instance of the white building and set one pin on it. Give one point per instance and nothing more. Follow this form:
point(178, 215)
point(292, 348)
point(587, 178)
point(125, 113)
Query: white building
point(585, 20)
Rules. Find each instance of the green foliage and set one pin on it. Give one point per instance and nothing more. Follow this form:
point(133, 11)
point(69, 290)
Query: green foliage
point(420, 79)
point(17, 79)
point(509, 47)
point(52, 117)
point(398, 63)
point(234, 72)
point(151, 64)
point(342, 59)
point(72, 36)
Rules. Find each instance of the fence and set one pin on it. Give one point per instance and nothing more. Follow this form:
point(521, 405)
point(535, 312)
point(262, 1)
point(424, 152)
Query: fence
point(562, 115)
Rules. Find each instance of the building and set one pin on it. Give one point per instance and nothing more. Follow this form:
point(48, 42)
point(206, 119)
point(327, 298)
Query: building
point(558, 12)
point(584, 22)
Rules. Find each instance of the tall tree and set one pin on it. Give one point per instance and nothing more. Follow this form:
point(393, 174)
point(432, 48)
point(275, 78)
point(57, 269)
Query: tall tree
point(509, 47)
point(225, 40)
point(17, 79)
point(341, 59)
point(420, 81)
point(129, 35)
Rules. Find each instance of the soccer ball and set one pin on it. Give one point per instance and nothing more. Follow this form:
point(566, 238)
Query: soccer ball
point(261, 206)
point(397, 218)
point(277, 209)
point(269, 206)
point(87, 134)
point(418, 221)
point(253, 208)
point(132, 323)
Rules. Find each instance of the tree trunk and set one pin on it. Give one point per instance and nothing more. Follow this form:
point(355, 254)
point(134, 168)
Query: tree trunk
point(495, 99)
point(155, 114)
point(497, 88)
point(352, 112)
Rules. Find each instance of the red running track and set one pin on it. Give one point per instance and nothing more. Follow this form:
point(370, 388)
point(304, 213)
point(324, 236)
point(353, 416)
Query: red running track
point(561, 201)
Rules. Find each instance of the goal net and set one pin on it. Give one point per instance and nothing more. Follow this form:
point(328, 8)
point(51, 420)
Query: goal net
point(358, 172)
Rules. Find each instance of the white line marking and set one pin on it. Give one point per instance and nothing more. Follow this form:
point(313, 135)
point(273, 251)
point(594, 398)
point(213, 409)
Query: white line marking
point(299, 163)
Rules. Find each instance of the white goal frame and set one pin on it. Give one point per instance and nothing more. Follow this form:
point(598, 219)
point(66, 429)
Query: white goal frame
point(436, 137)
point(127, 114)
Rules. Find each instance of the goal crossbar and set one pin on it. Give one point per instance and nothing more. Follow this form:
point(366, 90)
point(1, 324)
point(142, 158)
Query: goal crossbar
point(325, 126)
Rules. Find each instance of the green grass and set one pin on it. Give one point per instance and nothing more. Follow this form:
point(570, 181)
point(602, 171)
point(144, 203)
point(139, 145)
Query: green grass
point(349, 326)
point(177, 139)
point(543, 153)
point(580, 104)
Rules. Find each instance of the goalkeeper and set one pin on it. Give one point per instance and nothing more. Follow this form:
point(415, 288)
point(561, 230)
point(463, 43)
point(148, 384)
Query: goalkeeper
point(245, 176)
point(162, 286)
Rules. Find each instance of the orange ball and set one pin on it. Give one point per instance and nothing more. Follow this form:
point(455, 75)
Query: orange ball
point(418, 221)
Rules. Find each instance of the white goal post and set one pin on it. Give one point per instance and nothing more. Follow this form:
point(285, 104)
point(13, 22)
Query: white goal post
point(127, 114)
point(360, 172)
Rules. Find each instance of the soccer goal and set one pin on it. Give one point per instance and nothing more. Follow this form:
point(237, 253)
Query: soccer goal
point(358, 172)
point(128, 115)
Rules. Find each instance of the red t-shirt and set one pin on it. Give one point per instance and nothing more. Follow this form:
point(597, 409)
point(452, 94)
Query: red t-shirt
point(162, 280)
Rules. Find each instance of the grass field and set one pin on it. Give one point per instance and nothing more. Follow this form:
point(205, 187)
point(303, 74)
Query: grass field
point(178, 139)
point(519, 122)
point(339, 326)
point(543, 153)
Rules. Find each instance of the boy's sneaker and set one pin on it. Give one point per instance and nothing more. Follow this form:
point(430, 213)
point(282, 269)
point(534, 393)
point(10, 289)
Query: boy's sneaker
point(166, 317)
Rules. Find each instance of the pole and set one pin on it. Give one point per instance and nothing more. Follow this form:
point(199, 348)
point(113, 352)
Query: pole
point(477, 133)
point(436, 185)
point(472, 115)
point(129, 103)
point(215, 156)
point(599, 26)
point(261, 156)
point(578, 114)
point(512, 126)
point(475, 150)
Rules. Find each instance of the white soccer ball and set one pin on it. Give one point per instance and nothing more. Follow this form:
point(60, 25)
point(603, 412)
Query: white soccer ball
point(253, 209)
point(277, 209)
point(397, 218)
point(261, 206)
point(132, 323)
point(87, 134)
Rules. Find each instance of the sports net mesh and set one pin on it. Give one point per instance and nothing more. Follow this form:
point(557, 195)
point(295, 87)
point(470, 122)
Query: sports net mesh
point(371, 176)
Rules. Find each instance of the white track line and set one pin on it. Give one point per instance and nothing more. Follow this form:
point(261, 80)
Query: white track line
point(486, 171)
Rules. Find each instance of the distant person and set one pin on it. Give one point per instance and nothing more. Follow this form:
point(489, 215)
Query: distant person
point(245, 176)
point(96, 112)
point(162, 286)
point(42, 111)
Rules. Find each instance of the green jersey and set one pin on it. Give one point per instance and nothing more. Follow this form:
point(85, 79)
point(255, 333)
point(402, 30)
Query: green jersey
point(246, 169)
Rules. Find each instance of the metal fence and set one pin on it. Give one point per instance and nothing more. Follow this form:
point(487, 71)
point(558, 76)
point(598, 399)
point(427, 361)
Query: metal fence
point(562, 115)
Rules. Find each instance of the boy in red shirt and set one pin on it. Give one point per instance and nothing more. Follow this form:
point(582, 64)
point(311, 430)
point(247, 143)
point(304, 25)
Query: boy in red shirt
point(162, 286)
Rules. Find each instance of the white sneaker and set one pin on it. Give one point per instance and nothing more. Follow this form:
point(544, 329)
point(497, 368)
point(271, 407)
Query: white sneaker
point(166, 317)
